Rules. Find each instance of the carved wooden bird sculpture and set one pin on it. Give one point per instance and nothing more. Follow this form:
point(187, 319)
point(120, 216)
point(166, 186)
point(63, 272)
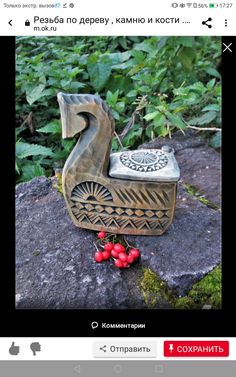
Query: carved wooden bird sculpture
point(131, 192)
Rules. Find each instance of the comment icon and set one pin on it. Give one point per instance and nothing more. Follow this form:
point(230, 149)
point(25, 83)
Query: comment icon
point(94, 325)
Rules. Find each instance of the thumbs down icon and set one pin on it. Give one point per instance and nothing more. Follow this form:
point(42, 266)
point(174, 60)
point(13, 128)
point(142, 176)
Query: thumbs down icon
point(35, 347)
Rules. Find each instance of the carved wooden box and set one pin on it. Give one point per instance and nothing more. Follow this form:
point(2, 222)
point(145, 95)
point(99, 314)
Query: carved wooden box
point(131, 192)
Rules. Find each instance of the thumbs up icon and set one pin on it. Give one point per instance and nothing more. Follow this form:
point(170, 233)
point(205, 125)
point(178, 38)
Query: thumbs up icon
point(14, 350)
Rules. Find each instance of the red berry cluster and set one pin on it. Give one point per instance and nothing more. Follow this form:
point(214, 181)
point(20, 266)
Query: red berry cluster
point(122, 257)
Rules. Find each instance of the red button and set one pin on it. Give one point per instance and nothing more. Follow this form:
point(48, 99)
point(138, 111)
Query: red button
point(191, 348)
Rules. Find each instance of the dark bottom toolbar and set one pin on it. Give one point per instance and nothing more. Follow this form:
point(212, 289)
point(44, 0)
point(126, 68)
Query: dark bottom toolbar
point(113, 368)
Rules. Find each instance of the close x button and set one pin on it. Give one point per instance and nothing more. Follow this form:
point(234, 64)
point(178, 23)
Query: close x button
point(191, 348)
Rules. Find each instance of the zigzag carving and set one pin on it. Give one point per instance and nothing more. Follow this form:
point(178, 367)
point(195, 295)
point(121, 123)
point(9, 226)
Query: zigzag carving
point(152, 199)
point(92, 203)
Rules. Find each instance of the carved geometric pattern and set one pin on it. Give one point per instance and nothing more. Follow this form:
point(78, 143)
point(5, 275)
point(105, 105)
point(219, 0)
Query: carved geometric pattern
point(109, 210)
point(99, 208)
point(89, 207)
point(119, 211)
point(144, 161)
point(139, 212)
point(120, 217)
point(129, 212)
point(91, 191)
point(149, 213)
point(152, 199)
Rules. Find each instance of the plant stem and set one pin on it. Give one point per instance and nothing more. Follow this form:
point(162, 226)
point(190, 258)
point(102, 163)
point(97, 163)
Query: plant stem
point(204, 128)
point(127, 243)
point(118, 139)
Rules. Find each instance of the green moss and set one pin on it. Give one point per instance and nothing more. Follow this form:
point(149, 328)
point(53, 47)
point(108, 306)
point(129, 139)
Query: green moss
point(205, 292)
point(154, 289)
point(184, 303)
point(58, 184)
point(194, 191)
point(208, 290)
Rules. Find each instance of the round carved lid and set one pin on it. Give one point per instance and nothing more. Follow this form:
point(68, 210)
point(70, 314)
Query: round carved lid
point(145, 165)
point(144, 161)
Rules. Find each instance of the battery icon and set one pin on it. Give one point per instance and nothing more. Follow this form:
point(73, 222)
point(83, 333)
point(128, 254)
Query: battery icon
point(213, 5)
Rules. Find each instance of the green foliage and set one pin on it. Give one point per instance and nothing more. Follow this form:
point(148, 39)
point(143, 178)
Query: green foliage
point(216, 140)
point(155, 85)
point(24, 150)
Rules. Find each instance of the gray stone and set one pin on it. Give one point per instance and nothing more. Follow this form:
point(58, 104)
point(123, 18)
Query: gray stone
point(200, 165)
point(189, 249)
point(54, 259)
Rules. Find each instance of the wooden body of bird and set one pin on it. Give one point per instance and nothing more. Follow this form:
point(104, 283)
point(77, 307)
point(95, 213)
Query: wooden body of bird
point(131, 192)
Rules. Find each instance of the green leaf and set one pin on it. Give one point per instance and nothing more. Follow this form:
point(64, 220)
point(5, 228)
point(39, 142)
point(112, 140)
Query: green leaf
point(211, 84)
point(151, 116)
point(99, 71)
point(24, 150)
point(186, 56)
point(112, 98)
point(159, 120)
point(68, 144)
point(186, 41)
point(216, 140)
point(118, 57)
point(175, 120)
point(135, 69)
point(33, 95)
point(213, 107)
point(17, 168)
point(213, 72)
point(132, 93)
point(149, 132)
point(51, 128)
point(162, 130)
point(206, 118)
point(133, 135)
point(29, 171)
point(162, 42)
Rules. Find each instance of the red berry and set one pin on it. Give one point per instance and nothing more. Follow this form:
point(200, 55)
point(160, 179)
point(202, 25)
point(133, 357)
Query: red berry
point(114, 254)
point(119, 248)
point(108, 246)
point(101, 235)
point(98, 257)
point(123, 257)
point(125, 264)
point(118, 263)
point(106, 255)
point(135, 253)
point(130, 258)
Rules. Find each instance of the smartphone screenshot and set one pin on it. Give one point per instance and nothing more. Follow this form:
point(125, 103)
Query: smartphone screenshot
point(117, 200)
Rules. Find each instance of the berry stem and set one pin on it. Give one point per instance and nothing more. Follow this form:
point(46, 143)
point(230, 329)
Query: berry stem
point(95, 246)
point(127, 243)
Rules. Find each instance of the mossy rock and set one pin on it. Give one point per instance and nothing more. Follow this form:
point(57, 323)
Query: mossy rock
point(205, 292)
point(154, 289)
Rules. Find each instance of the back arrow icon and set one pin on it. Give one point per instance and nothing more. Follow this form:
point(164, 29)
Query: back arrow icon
point(10, 22)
